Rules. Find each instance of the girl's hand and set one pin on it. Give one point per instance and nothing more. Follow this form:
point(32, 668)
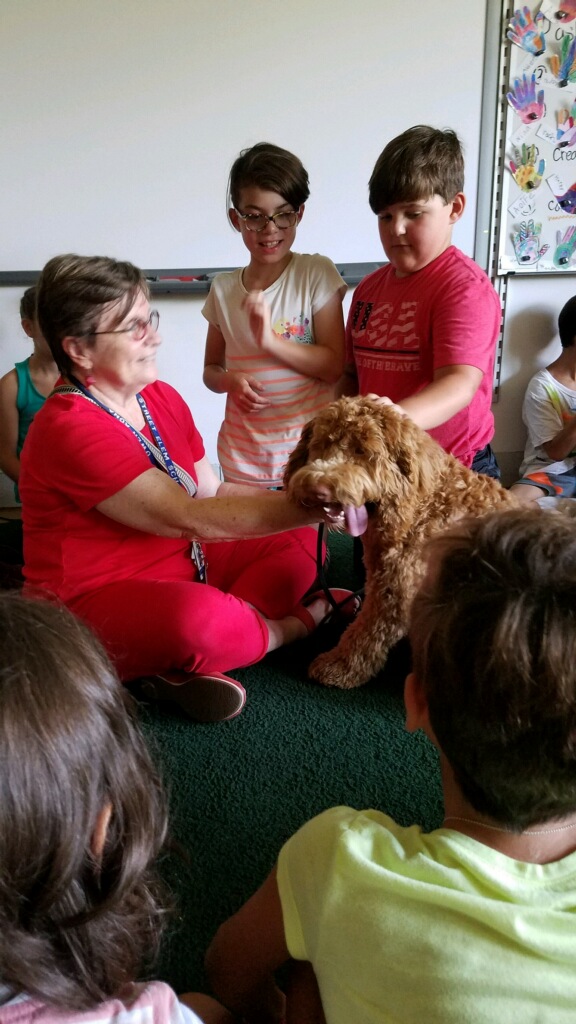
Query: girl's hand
point(246, 391)
point(258, 312)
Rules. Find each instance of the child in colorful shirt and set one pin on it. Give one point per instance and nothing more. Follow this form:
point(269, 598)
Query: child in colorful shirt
point(475, 920)
point(549, 412)
point(275, 343)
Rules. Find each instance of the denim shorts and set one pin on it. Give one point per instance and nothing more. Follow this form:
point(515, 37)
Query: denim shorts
point(485, 462)
point(557, 485)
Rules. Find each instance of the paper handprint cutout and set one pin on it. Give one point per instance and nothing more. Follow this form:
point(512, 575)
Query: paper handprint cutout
point(566, 127)
point(565, 248)
point(526, 175)
point(526, 243)
point(525, 31)
point(563, 67)
point(523, 99)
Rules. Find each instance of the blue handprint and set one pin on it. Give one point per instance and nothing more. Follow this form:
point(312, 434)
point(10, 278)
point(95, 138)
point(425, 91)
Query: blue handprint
point(525, 242)
point(565, 248)
point(564, 66)
point(524, 101)
point(525, 32)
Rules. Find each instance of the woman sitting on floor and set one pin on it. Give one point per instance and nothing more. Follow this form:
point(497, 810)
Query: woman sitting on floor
point(125, 520)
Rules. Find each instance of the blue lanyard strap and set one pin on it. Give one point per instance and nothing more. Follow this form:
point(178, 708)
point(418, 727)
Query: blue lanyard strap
point(158, 456)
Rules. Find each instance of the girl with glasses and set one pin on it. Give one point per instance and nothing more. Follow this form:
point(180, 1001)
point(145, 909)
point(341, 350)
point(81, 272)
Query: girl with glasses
point(275, 342)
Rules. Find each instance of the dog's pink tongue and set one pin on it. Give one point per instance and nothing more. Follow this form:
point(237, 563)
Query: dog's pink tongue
point(356, 520)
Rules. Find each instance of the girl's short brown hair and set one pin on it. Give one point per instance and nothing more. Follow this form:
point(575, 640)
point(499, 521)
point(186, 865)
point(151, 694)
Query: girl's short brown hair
point(270, 168)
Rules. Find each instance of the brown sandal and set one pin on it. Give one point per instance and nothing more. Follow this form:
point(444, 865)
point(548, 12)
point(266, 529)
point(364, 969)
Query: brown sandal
point(210, 697)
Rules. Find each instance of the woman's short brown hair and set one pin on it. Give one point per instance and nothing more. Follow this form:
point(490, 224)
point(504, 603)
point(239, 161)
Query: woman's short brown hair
point(74, 291)
point(74, 926)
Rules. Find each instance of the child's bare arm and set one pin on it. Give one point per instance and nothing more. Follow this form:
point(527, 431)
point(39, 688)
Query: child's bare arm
point(9, 461)
point(563, 443)
point(245, 389)
point(324, 359)
point(244, 954)
point(451, 390)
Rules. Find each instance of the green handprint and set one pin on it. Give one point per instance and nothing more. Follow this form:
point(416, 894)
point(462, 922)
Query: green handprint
point(525, 172)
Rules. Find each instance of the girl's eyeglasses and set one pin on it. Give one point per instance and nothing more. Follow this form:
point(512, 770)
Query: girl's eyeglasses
point(258, 221)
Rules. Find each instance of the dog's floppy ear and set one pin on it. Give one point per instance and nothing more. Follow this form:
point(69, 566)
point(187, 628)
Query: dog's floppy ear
point(299, 456)
point(414, 451)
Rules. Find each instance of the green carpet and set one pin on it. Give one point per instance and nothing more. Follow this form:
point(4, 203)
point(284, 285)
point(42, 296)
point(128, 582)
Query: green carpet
point(239, 789)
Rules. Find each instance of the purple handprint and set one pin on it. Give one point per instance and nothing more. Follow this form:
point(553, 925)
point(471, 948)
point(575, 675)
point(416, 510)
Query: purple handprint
point(567, 201)
point(525, 32)
point(526, 243)
point(524, 101)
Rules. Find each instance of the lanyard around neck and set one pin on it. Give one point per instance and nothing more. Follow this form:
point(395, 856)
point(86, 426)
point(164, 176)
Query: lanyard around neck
point(158, 455)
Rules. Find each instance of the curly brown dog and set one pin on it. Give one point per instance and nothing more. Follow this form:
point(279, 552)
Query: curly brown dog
point(368, 462)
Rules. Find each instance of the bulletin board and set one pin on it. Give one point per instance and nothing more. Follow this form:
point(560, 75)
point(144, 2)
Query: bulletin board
point(538, 207)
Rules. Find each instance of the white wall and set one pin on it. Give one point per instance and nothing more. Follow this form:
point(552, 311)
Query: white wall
point(530, 342)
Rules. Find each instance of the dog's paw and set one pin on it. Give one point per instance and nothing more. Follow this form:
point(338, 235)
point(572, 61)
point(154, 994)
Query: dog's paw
point(332, 670)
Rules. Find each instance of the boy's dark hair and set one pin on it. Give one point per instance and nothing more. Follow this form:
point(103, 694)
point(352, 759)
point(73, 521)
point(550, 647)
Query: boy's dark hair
point(28, 304)
point(74, 926)
point(493, 632)
point(567, 323)
point(270, 168)
point(74, 291)
point(420, 163)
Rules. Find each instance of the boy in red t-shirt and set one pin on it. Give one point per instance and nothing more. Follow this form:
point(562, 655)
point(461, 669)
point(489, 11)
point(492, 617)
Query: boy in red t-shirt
point(422, 330)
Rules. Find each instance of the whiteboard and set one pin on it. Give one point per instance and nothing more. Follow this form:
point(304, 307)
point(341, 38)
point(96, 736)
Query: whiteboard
point(120, 120)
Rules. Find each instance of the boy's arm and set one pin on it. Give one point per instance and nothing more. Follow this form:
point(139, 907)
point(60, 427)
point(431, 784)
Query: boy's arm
point(324, 359)
point(452, 389)
point(244, 954)
point(9, 461)
point(244, 389)
point(563, 444)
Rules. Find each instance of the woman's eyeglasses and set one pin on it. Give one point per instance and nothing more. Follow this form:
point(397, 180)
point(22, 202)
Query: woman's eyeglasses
point(138, 329)
point(258, 221)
